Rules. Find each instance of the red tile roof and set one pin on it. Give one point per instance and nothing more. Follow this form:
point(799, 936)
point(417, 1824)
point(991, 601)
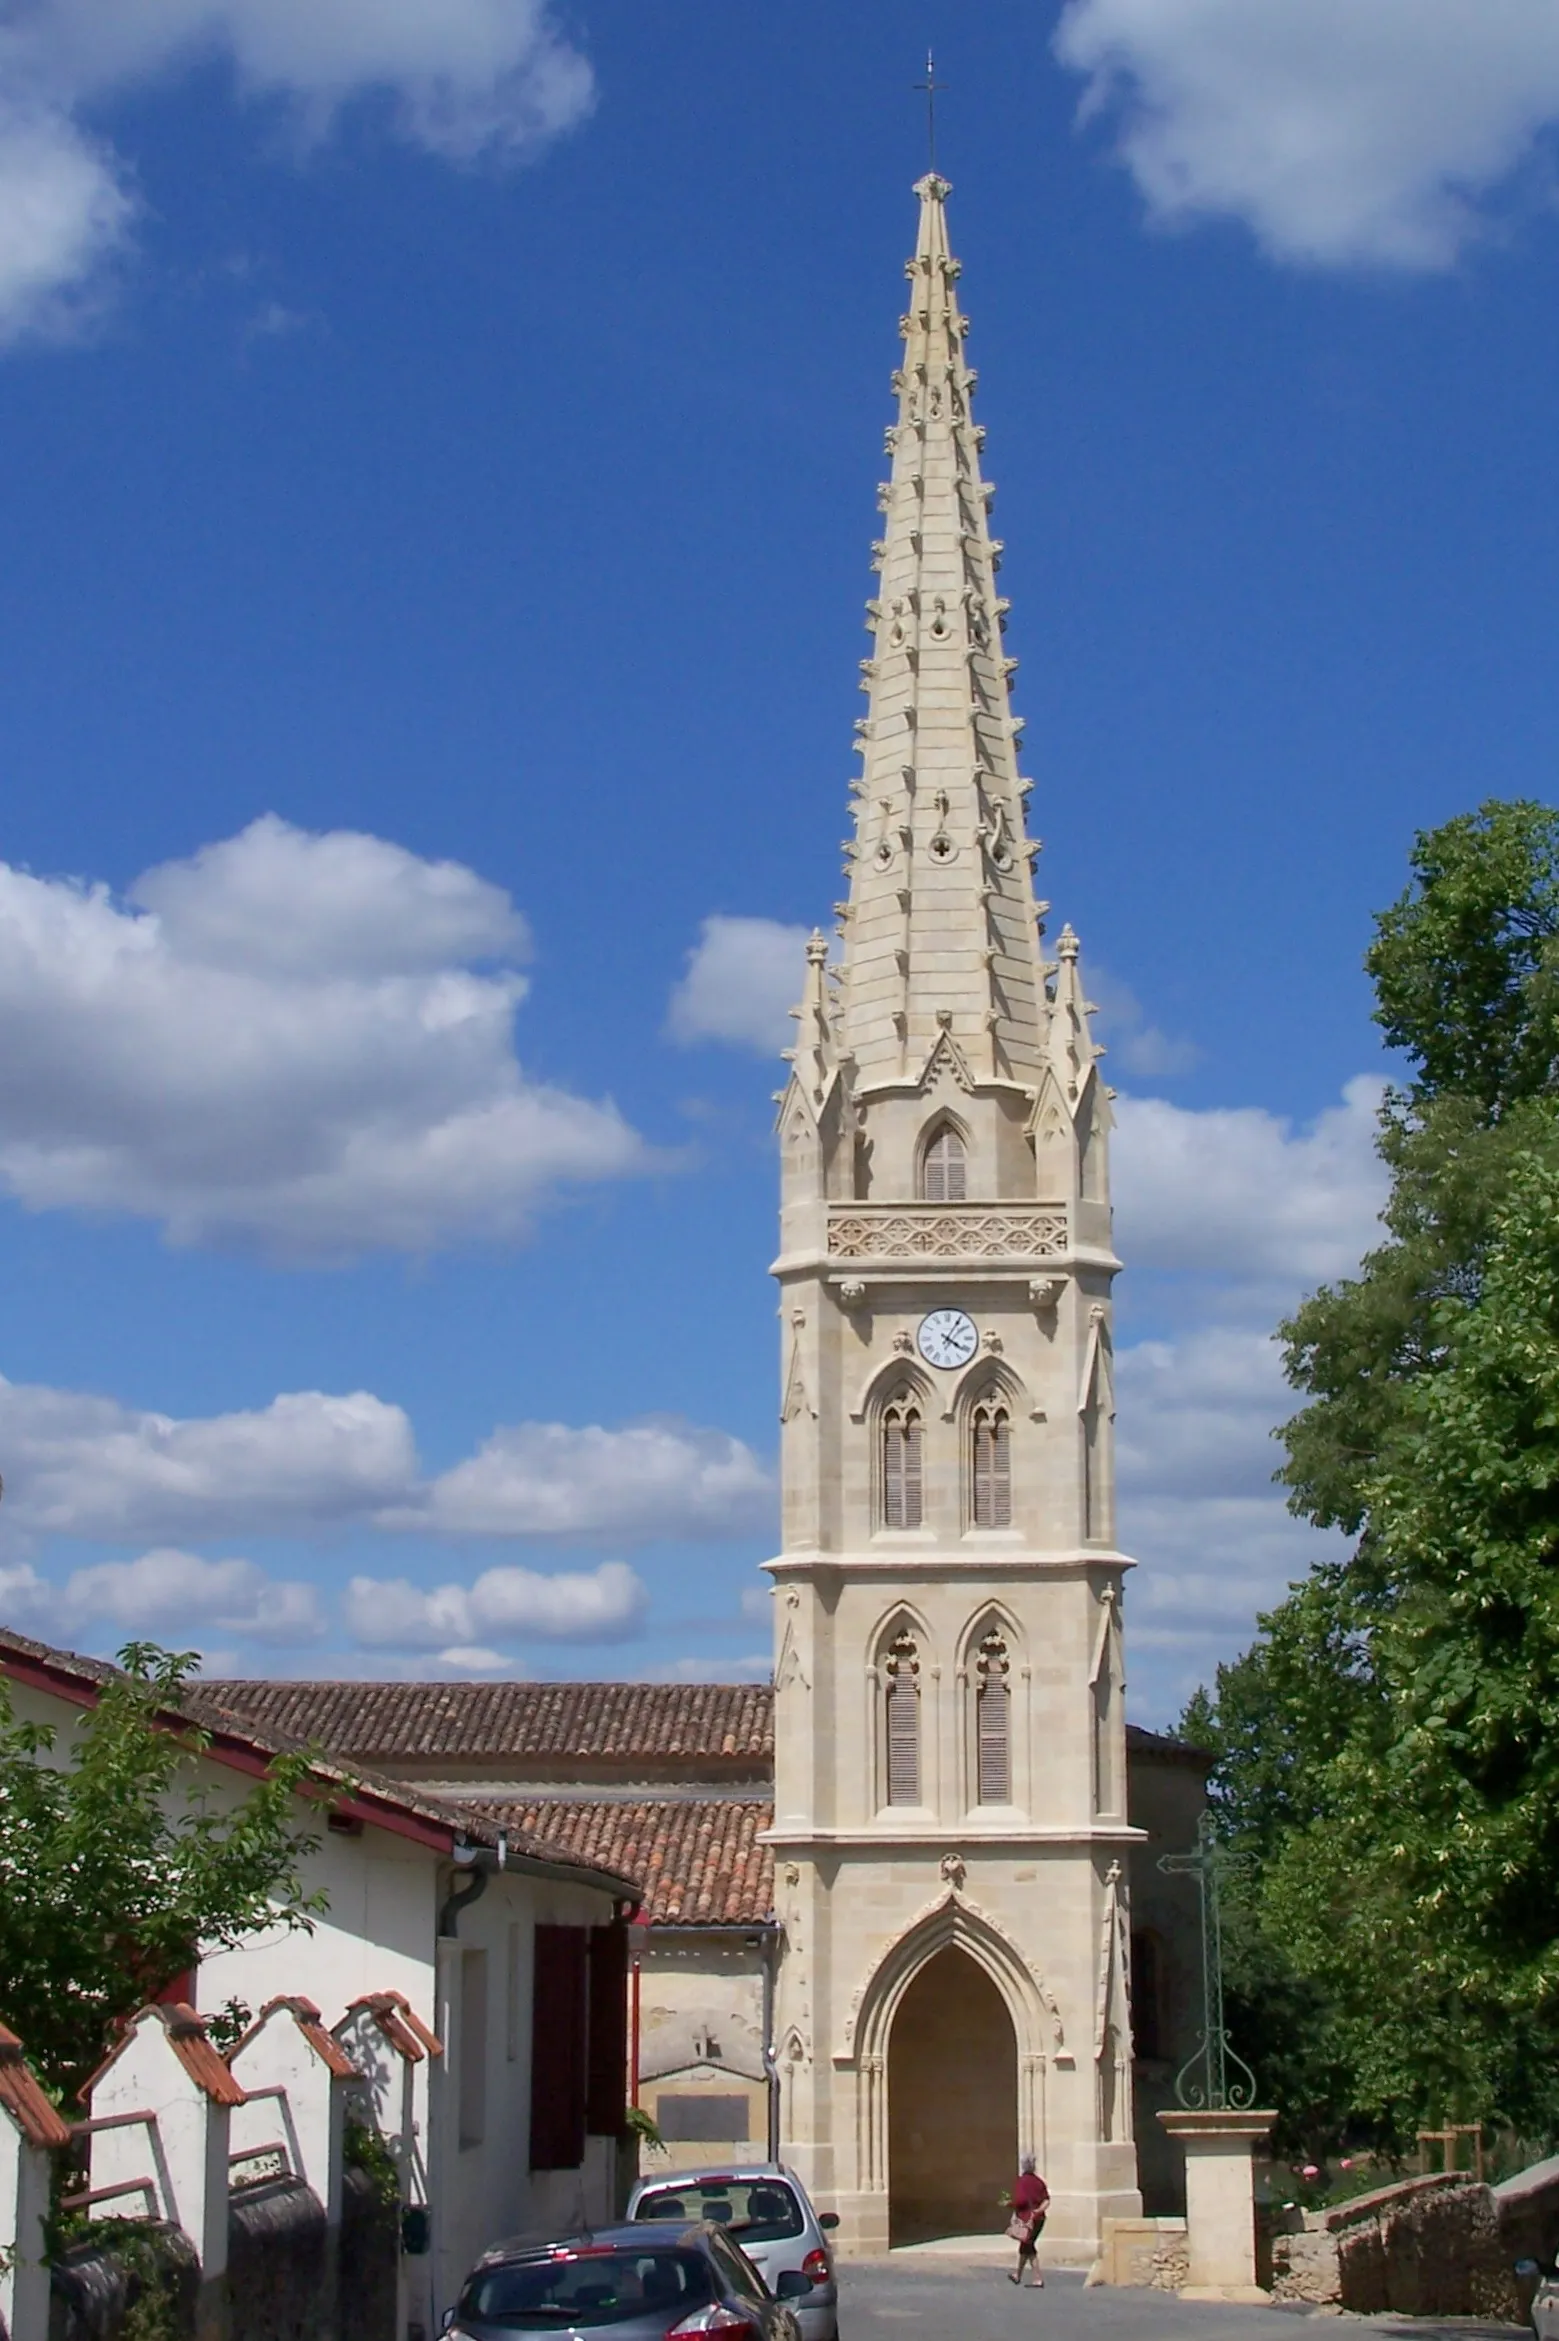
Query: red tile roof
point(188, 2040)
point(558, 1730)
point(248, 1742)
point(547, 1731)
point(310, 2023)
point(398, 2020)
point(699, 1857)
point(21, 2093)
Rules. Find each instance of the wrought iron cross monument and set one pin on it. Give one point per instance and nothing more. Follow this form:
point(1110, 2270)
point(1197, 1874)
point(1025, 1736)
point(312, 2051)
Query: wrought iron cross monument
point(1203, 2083)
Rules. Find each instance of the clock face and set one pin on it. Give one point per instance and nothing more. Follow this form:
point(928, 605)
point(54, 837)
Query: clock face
point(947, 1338)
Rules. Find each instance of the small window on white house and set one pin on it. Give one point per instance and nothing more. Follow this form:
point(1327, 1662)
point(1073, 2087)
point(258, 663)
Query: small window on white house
point(944, 1168)
point(901, 1462)
point(991, 1466)
point(511, 2011)
point(473, 2047)
point(901, 1704)
point(993, 1721)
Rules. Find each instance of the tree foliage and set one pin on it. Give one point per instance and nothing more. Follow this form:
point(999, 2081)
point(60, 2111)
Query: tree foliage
point(117, 1867)
point(1466, 973)
point(1383, 1757)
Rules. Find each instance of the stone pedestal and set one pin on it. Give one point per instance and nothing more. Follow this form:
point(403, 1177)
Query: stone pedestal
point(1220, 2201)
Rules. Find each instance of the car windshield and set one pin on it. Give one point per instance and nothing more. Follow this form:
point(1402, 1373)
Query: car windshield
point(755, 2210)
point(597, 2285)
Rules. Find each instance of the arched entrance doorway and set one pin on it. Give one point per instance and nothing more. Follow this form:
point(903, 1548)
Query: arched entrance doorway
point(952, 2103)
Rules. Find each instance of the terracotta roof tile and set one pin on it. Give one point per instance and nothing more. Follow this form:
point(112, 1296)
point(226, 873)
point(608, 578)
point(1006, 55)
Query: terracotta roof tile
point(699, 1857)
point(390, 1723)
point(40, 2122)
point(311, 2024)
point(564, 1729)
point(402, 2027)
point(201, 1706)
point(188, 2040)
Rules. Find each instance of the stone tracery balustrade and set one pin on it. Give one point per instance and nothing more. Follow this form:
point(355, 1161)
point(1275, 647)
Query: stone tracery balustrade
point(899, 1231)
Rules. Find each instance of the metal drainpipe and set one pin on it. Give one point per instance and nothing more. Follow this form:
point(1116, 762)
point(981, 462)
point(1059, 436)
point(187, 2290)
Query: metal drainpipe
point(768, 1946)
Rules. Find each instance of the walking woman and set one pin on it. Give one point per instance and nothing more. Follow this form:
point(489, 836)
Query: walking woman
point(1029, 2198)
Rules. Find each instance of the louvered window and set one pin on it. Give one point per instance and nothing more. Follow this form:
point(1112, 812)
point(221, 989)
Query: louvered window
point(901, 1475)
point(944, 1172)
point(992, 1467)
point(901, 1673)
point(993, 1722)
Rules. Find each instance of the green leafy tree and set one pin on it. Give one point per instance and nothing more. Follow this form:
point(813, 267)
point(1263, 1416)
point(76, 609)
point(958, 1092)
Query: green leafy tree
point(1379, 1762)
point(1466, 973)
point(117, 1868)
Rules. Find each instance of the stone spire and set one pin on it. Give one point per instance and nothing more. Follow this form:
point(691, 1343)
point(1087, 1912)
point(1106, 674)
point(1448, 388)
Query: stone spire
point(940, 941)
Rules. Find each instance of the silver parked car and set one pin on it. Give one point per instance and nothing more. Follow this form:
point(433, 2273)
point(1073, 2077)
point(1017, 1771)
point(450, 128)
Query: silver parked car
point(765, 2208)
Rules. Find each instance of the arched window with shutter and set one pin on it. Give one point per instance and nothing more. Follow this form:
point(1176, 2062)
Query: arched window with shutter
point(990, 1465)
point(901, 1462)
point(901, 1720)
point(944, 1167)
point(993, 1721)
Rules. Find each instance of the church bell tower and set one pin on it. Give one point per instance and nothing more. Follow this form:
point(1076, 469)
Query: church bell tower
point(950, 1830)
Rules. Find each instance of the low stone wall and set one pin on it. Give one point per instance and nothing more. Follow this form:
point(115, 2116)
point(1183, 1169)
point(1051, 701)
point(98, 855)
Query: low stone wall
point(1426, 2247)
point(1142, 2251)
point(1528, 2208)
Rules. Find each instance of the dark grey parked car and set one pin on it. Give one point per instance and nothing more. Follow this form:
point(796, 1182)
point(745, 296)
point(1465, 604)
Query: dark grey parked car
point(684, 2280)
point(765, 2208)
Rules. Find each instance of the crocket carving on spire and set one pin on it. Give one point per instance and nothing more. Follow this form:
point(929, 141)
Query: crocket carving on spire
point(941, 904)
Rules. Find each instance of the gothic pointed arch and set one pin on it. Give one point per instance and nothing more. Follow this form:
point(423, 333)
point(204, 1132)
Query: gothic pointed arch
point(903, 1682)
point(898, 1412)
point(942, 1160)
point(953, 1920)
point(989, 1679)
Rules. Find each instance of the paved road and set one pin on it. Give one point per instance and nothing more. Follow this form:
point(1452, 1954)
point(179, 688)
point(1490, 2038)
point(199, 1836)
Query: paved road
point(919, 2298)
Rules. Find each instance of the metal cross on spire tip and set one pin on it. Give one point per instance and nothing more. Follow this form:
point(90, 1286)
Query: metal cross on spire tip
point(1204, 2083)
point(931, 86)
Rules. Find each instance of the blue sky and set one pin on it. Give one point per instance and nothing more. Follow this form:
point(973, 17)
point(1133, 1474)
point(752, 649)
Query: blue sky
point(440, 441)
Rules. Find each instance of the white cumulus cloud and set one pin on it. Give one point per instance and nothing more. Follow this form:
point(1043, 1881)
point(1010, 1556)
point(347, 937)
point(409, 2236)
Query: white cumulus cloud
point(1339, 131)
point(743, 977)
point(311, 1463)
point(301, 1044)
point(461, 78)
point(1236, 1213)
point(65, 214)
point(596, 1605)
point(1195, 1458)
point(663, 1478)
point(1240, 1193)
point(79, 1465)
point(168, 1590)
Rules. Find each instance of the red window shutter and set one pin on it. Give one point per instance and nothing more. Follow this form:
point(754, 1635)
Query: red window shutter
point(903, 1742)
point(606, 2084)
point(993, 1717)
point(557, 2077)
